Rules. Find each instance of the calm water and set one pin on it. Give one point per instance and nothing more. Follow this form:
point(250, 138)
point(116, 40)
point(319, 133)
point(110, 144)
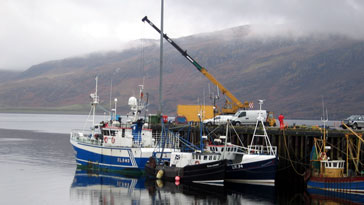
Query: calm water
point(38, 167)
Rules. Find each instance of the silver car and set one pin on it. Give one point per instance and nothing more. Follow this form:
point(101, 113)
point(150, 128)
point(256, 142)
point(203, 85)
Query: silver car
point(218, 120)
point(354, 121)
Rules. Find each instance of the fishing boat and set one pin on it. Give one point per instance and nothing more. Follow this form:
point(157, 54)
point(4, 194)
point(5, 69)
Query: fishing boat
point(204, 168)
point(255, 164)
point(200, 166)
point(334, 175)
point(115, 145)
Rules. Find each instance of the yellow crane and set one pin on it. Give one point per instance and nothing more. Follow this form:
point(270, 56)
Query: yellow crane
point(232, 104)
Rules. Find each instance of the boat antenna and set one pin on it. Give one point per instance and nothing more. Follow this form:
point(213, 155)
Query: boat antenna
point(146, 106)
point(111, 97)
point(218, 92)
point(201, 129)
point(214, 97)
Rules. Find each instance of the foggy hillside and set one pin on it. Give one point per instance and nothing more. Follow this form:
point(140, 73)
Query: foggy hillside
point(292, 75)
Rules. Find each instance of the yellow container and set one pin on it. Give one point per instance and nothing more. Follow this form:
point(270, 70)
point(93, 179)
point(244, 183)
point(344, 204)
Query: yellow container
point(192, 112)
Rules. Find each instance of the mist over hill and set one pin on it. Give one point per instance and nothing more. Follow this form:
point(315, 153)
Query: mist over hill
point(292, 75)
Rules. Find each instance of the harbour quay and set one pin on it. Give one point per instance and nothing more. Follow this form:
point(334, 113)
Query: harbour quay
point(294, 144)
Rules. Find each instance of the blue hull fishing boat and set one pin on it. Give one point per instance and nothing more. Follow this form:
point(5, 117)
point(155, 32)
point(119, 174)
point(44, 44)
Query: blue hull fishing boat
point(249, 165)
point(260, 172)
point(117, 146)
point(255, 164)
point(330, 175)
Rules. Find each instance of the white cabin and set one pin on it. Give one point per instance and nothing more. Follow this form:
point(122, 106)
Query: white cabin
point(182, 159)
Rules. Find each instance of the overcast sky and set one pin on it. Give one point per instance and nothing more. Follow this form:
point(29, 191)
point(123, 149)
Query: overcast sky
point(34, 31)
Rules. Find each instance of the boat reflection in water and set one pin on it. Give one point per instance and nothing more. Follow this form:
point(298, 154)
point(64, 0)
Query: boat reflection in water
point(193, 193)
point(107, 188)
point(319, 196)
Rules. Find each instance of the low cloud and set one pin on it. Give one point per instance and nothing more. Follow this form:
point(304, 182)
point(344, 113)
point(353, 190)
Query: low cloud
point(41, 30)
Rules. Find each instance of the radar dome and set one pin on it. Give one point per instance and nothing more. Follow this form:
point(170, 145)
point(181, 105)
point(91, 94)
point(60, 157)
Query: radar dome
point(133, 102)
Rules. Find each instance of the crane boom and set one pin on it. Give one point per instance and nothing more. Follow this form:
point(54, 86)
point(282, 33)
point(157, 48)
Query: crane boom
point(230, 107)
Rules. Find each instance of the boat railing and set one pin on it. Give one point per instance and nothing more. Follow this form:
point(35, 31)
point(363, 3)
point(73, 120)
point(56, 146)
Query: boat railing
point(170, 141)
point(333, 164)
point(238, 149)
point(262, 150)
point(235, 149)
point(84, 137)
point(137, 143)
point(243, 150)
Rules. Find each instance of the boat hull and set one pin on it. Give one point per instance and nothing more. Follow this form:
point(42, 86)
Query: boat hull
point(212, 173)
point(113, 158)
point(319, 196)
point(258, 172)
point(354, 185)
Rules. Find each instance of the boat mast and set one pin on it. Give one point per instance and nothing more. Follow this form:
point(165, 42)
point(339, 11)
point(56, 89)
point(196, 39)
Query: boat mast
point(161, 61)
point(226, 138)
point(265, 134)
point(324, 119)
point(95, 101)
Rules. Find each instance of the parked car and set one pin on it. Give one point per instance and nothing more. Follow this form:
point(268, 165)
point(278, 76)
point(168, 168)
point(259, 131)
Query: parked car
point(354, 121)
point(248, 117)
point(180, 120)
point(218, 120)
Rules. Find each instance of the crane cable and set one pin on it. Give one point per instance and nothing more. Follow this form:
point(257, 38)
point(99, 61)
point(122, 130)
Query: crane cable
point(289, 157)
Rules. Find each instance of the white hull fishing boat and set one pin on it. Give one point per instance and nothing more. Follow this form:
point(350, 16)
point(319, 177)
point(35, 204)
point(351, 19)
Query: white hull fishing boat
point(116, 146)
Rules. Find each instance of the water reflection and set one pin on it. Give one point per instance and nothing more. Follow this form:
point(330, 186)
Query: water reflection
point(170, 193)
point(106, 188)
point(328, 197)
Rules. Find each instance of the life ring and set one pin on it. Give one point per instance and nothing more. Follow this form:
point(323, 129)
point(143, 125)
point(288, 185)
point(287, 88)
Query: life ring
point(197, 162)
point(105, 139)
point(113, 140)
point(323, 156)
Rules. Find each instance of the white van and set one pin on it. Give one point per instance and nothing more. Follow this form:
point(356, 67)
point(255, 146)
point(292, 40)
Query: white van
point(248, 116)
point(218, 120)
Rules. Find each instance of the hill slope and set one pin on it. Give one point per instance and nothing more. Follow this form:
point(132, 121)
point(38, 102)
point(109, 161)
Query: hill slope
point(291, 74)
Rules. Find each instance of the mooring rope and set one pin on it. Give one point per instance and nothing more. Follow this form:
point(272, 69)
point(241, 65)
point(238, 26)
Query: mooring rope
point(289, 157)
